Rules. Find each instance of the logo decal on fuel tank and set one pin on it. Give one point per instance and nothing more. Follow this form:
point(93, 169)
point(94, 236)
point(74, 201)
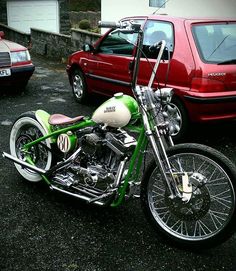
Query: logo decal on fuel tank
point(110, 109)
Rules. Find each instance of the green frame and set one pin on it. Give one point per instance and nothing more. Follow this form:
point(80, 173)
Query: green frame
point(135, 161)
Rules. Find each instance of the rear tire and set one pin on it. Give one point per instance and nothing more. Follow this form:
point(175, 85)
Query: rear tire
point(24, 130)
point(209, 218)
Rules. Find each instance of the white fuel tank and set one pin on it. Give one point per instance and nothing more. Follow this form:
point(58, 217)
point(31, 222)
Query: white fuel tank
point(114, 112)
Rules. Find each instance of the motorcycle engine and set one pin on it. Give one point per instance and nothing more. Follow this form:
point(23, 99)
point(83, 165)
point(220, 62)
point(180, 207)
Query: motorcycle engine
point(101, 151)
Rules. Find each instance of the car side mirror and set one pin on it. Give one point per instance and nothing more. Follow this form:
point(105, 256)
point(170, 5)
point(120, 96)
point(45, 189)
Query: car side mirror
point(88, 48)
point(2, 34)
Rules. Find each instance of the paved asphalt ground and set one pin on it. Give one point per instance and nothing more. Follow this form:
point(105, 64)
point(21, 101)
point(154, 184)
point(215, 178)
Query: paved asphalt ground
point(44, 230)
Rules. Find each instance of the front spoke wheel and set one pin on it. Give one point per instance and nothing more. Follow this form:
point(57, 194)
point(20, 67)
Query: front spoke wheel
point(209, 212)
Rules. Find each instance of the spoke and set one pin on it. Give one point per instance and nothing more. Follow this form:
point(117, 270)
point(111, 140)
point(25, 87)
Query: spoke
point(212, 174)
point(216, 184)
point(216, 180)
point(194, 168)
point(159, 188)
point(163, 216)
point(157, 194)
point(179, 164)
point(200, 227)
point(222, 200)
point(218, 218)
point(157, 200)
point(204, 162)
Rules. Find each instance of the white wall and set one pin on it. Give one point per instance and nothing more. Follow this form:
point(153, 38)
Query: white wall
point(113, 10)
point(25, 14)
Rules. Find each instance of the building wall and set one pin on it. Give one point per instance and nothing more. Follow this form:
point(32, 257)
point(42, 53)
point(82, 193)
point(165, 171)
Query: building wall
point(112, 10)
point(3, 12)
point(63, 14)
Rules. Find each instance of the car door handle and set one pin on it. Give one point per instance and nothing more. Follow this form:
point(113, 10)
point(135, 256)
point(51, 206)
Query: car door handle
point(131, 66)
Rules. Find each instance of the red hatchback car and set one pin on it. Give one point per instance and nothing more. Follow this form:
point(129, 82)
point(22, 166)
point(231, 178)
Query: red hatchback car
point(201, 67)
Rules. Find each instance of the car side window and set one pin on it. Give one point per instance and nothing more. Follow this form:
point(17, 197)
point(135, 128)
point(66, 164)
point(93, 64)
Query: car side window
point(117, 43)
point(155, 31)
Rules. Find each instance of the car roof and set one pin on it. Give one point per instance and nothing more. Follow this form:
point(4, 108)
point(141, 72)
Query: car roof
point(166, 17)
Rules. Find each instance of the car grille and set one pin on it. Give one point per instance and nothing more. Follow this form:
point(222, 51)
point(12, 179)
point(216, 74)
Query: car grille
point(5, 60)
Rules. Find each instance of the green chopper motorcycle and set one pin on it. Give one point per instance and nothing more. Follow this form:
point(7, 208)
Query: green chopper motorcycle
point(187, 190)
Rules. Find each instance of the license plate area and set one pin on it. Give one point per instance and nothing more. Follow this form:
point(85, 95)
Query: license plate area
point(5, 72)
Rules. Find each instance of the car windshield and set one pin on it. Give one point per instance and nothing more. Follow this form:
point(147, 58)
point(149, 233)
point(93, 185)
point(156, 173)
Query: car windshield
point(216, 43)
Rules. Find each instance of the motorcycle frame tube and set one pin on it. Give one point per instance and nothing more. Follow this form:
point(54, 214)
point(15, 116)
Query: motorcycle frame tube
point(53, 135)
point(136, 159)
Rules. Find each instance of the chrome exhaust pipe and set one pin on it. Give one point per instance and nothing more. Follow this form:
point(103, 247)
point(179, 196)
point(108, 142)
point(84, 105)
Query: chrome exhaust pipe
point(23, 163)
point(87, 199)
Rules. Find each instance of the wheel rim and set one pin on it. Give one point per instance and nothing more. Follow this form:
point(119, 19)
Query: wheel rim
point(25, 130)
point(78, 86)
point(174, 118)
point(38, 153)
point(209, 209)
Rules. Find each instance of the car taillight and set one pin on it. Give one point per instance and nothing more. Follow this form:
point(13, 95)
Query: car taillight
point(206, 85)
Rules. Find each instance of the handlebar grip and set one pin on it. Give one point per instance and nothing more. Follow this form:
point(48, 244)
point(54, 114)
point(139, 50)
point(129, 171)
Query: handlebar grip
point(107, 24)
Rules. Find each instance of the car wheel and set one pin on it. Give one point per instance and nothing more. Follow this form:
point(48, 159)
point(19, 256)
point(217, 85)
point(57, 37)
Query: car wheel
point(178, 119)
point(79, 87)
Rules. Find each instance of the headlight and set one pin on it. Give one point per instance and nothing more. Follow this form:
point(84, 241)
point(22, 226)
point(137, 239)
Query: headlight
point(21, 56)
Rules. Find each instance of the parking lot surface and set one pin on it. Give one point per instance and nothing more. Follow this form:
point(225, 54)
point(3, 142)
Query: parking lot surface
point(44, 230)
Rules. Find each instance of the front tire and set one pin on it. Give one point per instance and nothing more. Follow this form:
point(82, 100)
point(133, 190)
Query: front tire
point(24, 130)
point(209, 218)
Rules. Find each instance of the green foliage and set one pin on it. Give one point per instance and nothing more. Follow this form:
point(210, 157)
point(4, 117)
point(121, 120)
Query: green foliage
point(85, 5)
point(84, 24)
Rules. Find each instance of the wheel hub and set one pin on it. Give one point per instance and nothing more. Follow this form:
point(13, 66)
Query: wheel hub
point(78, 87)
point(194, 209)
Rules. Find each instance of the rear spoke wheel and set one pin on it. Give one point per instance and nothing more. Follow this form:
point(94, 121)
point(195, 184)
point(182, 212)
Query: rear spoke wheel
point(25, 130)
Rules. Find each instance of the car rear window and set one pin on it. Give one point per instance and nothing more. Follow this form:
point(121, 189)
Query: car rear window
point(216, 43)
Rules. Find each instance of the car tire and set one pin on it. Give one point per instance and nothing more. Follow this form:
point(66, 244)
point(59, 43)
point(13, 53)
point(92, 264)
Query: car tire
point(79, 86)
point(178, 118)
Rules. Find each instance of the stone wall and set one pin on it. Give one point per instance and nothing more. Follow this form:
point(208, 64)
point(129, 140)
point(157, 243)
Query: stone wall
point(60, 46)
point(79, 37)
point(17, 36)
point(49, 44)
point(52, 45)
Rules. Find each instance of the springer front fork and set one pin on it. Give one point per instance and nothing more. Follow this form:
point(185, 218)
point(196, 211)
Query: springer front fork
point(160, 156)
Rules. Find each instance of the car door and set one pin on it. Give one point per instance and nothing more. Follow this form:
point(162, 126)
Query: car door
point(113, 58)
point(155, 31)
